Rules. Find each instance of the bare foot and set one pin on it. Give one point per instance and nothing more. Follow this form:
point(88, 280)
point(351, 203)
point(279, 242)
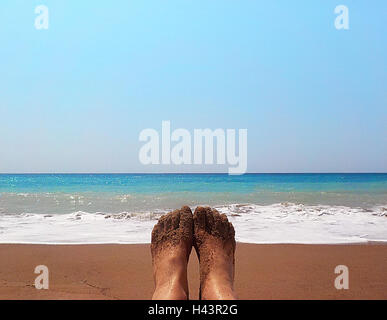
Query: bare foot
point(171, 246)
point(214, 241)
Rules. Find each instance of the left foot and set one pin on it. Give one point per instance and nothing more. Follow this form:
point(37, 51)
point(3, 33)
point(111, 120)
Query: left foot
point(171, 246)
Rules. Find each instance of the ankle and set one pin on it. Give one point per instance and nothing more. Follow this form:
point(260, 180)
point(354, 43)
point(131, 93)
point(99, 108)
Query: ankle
point(171, 280)
point(220, 287)
point(218, 290)
point(170, 291)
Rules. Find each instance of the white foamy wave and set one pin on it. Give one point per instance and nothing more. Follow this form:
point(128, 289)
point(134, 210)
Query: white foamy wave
point(298, 223)
point(277, 223)
point(77, 228)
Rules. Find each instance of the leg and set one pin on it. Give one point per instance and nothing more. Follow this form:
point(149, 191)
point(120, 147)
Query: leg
point(214, 241)
point(171, 246)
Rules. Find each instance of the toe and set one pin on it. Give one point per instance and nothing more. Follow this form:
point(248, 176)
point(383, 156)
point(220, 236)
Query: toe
point(186, 210)
point(200, 218)
point(231, 231)
point(155, 233)
point(186, 218)
point(186, 226)
point(168, 224)
point(223, 218)
point(222, 225)
point(210, 220)
point(158, 229)
point(175, 217)
point(161, 222)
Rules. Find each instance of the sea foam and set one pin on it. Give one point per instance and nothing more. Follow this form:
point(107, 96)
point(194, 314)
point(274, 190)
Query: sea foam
point(277, 223)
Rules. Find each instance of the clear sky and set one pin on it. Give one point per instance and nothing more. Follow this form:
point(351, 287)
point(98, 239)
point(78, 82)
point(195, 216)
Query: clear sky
point(74, 98)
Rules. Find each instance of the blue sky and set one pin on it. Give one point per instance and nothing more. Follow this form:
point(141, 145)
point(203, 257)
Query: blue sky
point(74, 98)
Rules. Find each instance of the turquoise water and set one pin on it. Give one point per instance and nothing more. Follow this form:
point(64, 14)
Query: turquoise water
point(156, 183)
point(164, 191)
point(122, 208)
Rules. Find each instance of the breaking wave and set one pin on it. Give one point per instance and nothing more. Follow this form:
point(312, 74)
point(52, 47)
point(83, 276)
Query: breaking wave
point(284, 222)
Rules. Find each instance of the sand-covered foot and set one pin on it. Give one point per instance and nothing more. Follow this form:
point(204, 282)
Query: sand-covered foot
point(214, 241)
point(171, 246)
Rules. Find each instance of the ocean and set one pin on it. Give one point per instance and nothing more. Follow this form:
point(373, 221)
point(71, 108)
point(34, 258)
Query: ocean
point(122, 208)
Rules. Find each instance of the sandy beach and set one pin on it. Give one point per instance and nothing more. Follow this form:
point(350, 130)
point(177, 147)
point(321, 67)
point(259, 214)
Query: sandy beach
point(125, 272)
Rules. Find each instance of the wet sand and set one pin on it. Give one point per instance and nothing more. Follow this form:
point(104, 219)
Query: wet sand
point(125, 271)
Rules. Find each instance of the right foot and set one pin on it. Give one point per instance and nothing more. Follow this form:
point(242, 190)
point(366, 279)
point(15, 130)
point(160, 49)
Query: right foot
point(171, 246)
point(214, 241)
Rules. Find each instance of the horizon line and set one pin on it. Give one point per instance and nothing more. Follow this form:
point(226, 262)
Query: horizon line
point(226, 173)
